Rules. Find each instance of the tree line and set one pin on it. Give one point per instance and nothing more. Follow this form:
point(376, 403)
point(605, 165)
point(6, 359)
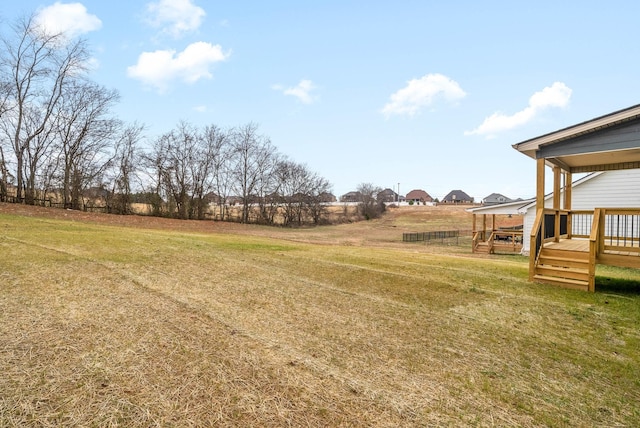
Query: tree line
point(59, 138)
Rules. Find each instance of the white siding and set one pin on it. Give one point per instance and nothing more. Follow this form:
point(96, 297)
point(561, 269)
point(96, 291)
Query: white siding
point(610, 189)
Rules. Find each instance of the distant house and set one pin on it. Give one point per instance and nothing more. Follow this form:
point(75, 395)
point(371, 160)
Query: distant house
point(351, 197)
point(495, 198)
point(418, 196)
point(457, 197)
point(95, 193)
point(326, 197)
point(388, 195)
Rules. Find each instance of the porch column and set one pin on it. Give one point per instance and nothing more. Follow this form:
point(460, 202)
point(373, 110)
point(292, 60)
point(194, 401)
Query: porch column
point(484, 227)
point(540, 184)
point(556, 203)
point(540, 166)
point(567, 201)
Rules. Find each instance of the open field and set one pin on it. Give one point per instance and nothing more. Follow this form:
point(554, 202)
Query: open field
point(135, 321)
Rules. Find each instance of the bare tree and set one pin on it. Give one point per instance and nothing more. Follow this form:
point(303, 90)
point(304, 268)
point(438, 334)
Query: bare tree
point(5, 94)
point(125, 160)
point(85, 133)
point(317, 198)
point(368, 205)
point(155, 162)
point(39, 66)
point(179, 146)
point(293, 187)
point(252, 156)
point(219, 150)
point(208, 145)
point(267, 189)
point(303, 193)
point(35, 152)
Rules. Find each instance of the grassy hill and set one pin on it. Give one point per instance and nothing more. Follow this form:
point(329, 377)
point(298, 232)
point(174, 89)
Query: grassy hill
point(134, 321)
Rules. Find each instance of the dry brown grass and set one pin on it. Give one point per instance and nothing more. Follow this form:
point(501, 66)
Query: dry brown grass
point(114, 321)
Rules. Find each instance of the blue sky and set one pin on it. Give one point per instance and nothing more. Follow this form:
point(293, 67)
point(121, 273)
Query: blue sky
point(428, 94)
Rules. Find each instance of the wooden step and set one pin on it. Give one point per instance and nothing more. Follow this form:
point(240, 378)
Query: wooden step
point(481, 247)
point(565, 254)
point(563, 282)
point(581, 274)
point(562, 261)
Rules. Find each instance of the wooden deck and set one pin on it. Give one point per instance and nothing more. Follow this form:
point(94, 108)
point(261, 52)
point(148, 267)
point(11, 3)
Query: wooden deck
point(581, 245)
point(613, 257)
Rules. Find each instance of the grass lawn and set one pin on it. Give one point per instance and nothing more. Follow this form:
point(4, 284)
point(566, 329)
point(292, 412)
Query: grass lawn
point(207, 324)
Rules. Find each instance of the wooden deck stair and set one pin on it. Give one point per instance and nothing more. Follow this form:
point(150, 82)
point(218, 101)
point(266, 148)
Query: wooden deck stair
point(482, 248)
point(568, 269)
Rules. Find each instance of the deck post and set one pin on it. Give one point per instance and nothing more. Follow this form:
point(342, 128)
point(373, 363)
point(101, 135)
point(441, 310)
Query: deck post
point(540, 184)
point(484, 227)
point(474, 223)
point(567, 201)
point(556, 203)
point(540, 167)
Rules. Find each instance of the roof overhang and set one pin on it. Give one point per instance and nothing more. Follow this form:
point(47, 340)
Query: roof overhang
point(508, 208)
point(604, 143)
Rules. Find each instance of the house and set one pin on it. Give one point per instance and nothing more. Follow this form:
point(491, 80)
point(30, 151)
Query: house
point(566, 243)
point(326, 197)
point(495, 198)
point(605, 189)
point(351, 197)
point(388, 195)
point(457, 197)
point(418, 196)
point(505, 231)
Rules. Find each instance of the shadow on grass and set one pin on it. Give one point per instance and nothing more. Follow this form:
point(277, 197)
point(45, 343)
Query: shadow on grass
point(618, 285)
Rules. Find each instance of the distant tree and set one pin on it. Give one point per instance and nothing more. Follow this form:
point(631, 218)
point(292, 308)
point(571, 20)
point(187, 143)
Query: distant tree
point(219, 151)
point(125, 163)
point(252, 156)
point(154, 164)
point(368, 206)
point(175, 153)
point(301, 193)
point(267, 189)
point(316, 200)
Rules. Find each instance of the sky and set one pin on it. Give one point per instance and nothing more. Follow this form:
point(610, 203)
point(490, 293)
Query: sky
point(404, 95)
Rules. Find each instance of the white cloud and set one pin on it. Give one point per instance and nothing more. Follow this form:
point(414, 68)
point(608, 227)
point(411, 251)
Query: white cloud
point(421, 93)
point(556, 95)
point(71, 19)
point(159, 68)
point(302, 91)
point(175, 17)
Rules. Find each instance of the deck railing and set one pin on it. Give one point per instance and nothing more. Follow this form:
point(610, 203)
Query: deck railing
point(613, 235)
point(620, 230)
point(536, 241)
point(581, 221)
point(553, 219)
point(620, 227)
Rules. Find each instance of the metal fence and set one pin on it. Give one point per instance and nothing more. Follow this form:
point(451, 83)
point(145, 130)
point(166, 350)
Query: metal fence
point(436, 235)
